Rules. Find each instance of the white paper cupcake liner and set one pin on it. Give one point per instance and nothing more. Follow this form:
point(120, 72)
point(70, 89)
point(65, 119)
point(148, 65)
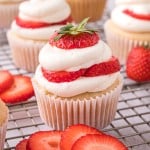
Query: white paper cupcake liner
point(58, 114)
point(3, 129)
point(7, 13)
point(121, 44)
point(25, 52)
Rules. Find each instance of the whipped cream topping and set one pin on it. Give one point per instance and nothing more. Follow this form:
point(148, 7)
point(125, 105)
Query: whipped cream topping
point(81, 85)
point(56, 59)
point(49, 11)
point(117, 2)
point(130, 23)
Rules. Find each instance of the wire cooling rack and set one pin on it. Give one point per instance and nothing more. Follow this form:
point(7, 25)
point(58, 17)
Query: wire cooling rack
point(131, 124)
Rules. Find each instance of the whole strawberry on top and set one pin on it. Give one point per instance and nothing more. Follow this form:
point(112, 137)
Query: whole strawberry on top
point(138, 64)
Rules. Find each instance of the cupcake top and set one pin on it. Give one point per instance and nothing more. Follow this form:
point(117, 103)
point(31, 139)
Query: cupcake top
point(3, 112)
point(41, 17)
point(118, 2)
point(134, 18)
point(76, 61)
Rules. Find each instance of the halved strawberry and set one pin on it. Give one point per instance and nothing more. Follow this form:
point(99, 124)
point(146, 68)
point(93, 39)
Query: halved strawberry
point(62, 76)
point(6, 80)
point(135, 15)
point(44, 140)
point(103, 68)
point(72, 133)
point(34, 24)
point(21, 145)
point(20, 90)
point(98, 142)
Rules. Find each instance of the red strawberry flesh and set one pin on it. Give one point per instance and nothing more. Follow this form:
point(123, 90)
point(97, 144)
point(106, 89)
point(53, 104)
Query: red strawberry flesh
point(72, 133)
point(21, 145)
point(6, 80)
point(98, 142)
point(20, 90)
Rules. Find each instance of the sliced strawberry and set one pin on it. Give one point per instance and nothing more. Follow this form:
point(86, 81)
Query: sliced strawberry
point(135, 15)
point(62, 76)
point(6, 80)
point(98, 142)
point(34, 24)
point(44, 140)
point(104, 68)
point(22, 145)
point(72, 133)
point(20, 90)
point(69, 42)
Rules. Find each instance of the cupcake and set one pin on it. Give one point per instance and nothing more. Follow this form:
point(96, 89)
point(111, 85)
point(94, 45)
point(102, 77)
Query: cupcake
point(87, 8)
point(128, 27)
point(129, 2)
point(31, 29)
point(8, 11)
point(78, 80)
point(3, 123)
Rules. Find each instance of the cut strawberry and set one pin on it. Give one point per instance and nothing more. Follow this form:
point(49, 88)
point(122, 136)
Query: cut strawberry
point(34, 24)
point(135, 15)
point(22, 145)
point(6, 80)
point(70, 42)
point(104, 68)
point(98, 142)
point(62, 76)
point(72, 133)
point(44, 140)
point(20, 90)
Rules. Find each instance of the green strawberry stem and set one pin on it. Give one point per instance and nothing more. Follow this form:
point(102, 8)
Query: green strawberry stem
point(74, 30)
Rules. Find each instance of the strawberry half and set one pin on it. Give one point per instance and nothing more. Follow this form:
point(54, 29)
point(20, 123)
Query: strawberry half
point(72, 133)
point(22, 145)
point(34, 24)
point(98, 142)
point(44, 140)
point(6, 80)
point(20, 90)
point(138, 64)
point(70, 37)
point(62, 76)
point(135, 15)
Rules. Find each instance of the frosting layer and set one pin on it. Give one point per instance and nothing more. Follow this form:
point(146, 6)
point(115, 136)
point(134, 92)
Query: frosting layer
point(131, 1)
point(130, 23)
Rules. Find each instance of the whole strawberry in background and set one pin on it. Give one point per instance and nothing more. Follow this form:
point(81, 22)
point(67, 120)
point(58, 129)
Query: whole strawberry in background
point(138, 64)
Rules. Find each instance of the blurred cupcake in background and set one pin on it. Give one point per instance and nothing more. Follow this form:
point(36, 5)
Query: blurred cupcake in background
point(37, 20)
point(3, 123)
point(128, 27)
point(8, 11)
point(87, 8)
point(129, 2)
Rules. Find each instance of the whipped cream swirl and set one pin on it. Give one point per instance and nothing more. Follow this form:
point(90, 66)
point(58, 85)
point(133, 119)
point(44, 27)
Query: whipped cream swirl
point(130, 23)
point(117, 2)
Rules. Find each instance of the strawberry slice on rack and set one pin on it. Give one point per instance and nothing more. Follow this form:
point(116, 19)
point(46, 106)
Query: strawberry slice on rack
point(44, 140)
point(74, 132)
point(21, 145)
point(19, 91)
point(98, 142)
point(6, 80)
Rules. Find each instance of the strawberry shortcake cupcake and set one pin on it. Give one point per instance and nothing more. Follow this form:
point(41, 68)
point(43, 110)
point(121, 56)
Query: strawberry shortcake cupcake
point(8, 11)
point(78, 80)
point(37, 20)
point(128, 27)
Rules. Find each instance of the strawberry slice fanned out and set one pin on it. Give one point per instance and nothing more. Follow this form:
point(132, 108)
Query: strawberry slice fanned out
point(44, 140)
point(19, 91)
point(98, 142)
point(6, 80)
point(74, 132)
point(22, 145)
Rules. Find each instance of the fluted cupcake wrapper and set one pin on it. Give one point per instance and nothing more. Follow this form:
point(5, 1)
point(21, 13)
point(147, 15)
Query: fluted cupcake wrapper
point(58, 114)
point(122, 44)
point(7, 13)
point(3, 129)
point(25, 52)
